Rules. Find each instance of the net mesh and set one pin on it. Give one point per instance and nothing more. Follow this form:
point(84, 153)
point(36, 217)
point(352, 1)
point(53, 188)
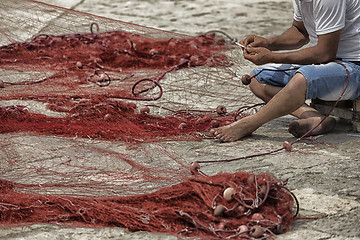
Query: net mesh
point(85, 105)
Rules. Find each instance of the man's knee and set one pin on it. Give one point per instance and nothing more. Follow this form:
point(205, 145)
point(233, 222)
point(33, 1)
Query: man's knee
point(264, 91)
point(257, 88)
point(298, 84)
point(298, 80)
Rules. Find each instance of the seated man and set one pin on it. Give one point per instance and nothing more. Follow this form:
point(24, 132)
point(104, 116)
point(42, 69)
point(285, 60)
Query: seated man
point(328, 65)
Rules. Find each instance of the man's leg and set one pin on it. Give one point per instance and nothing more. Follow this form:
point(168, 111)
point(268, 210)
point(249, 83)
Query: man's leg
point(285, 101)
point(309, 117)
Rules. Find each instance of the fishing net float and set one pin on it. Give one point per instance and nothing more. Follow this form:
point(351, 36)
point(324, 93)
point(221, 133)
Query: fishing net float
point(111, 92)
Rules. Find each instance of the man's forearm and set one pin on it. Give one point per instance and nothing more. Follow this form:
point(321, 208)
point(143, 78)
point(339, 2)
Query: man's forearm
point(304, 56)
point(293, 38)
point(325, 51)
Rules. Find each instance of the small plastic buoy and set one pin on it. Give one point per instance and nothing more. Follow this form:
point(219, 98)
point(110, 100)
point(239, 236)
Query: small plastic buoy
point(144, 109)
point(194, 167)
point(79, 64)
point(251, 180)
point(256, 231)
point(153, 51)
point(172, 44)
point(219, 211)
point(243, 229)
point(246, 79)
point(229, 194)
point(221, 226)
point(257, 217)
point(221, 109)
point(287, 146)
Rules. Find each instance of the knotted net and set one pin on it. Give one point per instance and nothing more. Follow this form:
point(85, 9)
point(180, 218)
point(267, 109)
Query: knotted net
point(84, 106)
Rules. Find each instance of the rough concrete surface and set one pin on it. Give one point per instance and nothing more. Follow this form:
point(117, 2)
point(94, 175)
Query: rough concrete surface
point(323, 172)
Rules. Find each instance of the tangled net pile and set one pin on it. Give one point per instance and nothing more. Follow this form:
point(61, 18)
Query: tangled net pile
point(67, 77)
point(240, 205)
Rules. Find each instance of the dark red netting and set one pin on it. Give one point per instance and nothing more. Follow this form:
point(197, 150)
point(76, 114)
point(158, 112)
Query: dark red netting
point(89, 73)
point(92, 113)
point(259, 207)
point(106, 59)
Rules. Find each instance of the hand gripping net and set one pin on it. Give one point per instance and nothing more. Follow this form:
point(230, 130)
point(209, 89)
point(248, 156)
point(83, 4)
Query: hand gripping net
point(67, 77)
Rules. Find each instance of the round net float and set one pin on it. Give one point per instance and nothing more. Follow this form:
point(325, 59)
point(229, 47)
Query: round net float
point(257, 217)
point(287, 146)
point(2, 85)
point(79, 64)
point(246, 79)
point(256, 231)
point(172, 44)
point(219, 211)
point(221, 109)
point(153, 51)
point(251, 180)
point(144, 110)
point(229, 194)
point(221, 226)
point(194, 167)
point(243, 229)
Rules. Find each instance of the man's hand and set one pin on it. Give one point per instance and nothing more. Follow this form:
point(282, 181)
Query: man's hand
point(257, 55)
point(255, 41)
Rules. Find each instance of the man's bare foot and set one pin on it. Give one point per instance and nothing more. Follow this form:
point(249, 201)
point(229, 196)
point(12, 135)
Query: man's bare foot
point(233, 131)
point(299, 127)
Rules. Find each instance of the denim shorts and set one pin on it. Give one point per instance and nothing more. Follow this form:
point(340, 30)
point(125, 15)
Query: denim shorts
point(324, 81)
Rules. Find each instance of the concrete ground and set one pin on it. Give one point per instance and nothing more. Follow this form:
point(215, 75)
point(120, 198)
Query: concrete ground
point(323, 172)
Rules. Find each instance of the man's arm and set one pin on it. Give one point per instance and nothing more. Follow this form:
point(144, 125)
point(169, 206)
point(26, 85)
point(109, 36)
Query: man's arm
point(325, 51)
point(293, 38)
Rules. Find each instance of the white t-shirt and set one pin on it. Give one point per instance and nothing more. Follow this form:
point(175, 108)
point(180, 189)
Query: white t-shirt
point(326, 16)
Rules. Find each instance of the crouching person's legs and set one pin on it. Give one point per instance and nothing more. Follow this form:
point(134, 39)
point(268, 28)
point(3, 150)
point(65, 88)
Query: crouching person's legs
point(285, 101)
point(326, 82)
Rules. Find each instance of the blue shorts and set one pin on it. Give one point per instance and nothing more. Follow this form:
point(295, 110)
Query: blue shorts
point(324, 81)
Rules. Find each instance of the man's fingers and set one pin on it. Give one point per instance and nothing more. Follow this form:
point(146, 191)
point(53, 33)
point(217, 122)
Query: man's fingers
point(250, 50)
point(247, 40)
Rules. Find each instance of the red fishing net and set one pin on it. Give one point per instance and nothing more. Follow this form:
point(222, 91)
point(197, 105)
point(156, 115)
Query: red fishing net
point(93, 95)
point(258, 206)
